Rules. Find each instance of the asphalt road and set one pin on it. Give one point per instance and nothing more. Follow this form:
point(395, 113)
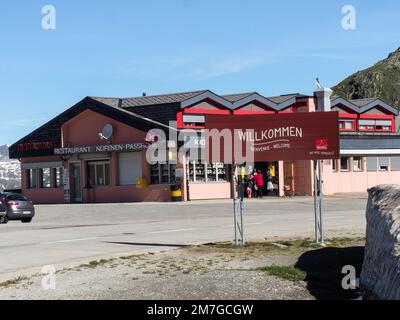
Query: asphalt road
point(65, 235)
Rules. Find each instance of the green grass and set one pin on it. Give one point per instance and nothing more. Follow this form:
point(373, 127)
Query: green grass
point(282, 246)
point(12, 282)
point(289, 273)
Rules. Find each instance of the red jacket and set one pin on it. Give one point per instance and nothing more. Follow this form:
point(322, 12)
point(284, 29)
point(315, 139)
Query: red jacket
point(259, 180)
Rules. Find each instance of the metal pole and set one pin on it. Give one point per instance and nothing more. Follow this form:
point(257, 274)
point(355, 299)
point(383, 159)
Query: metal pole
point(241, 221)
point(234, 205)
point(315, 201)
point(320, 184)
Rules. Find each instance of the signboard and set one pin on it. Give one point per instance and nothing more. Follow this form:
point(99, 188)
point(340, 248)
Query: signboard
point(103, 148)
point(36, 146)
point(291, 136)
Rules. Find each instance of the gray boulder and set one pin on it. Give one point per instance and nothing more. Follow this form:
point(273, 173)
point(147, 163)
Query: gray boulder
point(380, 276)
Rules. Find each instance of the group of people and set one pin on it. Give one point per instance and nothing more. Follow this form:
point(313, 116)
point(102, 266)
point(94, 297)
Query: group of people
point(259, 184)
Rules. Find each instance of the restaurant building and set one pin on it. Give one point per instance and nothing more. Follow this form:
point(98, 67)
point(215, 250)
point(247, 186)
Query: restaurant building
point(95, 152)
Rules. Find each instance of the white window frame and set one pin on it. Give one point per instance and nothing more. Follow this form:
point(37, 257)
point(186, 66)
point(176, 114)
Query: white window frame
point(96, 164)
point(348, 164)
point(214, 166)
point(361, 164)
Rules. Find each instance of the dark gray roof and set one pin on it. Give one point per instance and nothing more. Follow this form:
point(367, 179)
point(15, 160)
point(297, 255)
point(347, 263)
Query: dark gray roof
point(183, 96)
point(149, 100)
point(363, 105)
point(112, 102)
point(362, 102)
point(285, 97)
point(160, 99)
point(237, 96)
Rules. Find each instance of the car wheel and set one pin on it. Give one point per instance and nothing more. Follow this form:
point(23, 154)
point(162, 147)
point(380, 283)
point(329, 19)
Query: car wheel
point(26, 220)
point(3, 220)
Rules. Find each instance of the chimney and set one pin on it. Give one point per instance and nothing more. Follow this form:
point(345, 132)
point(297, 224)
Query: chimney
point(323, 96)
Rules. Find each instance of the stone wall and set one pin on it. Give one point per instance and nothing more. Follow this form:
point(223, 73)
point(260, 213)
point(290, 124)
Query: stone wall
point(380, 276)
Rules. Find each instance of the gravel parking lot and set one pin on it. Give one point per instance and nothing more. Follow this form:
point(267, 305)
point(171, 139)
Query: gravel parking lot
point(201, 272)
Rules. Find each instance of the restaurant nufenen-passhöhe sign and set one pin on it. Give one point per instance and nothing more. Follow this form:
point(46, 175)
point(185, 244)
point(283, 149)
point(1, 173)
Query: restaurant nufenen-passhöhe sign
point(272, 137)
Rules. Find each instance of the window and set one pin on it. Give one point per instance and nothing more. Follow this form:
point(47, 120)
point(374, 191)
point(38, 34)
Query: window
point(99, 173)
point(372, 163)
point(17, 197)
point(46, 178)
point(162, 173)
point(130, 167)
point(193, 120)
point(334, 165)
point(395, 163)
point(384, 164)
point(59, 179)
point(375, 125)
point(344, 164)
point(383, 125)
point(357, 164)
point(32, 175)
point(216, 172)
point(346, 124)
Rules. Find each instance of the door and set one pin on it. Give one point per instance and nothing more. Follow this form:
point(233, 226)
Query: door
point(288, 178)
point(76, 183)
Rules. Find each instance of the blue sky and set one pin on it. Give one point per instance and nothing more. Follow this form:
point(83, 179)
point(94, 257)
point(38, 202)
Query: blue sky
point(124, 48)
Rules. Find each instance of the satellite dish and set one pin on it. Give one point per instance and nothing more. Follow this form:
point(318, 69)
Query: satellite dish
point(107, 131)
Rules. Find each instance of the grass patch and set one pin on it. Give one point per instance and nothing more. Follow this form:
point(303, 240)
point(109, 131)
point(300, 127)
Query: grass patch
point(12, 282)
point(289, 273)
point(289, 246)
point(96, 263)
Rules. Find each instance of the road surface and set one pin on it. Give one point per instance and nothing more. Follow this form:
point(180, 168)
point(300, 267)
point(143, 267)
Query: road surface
point(64, 235)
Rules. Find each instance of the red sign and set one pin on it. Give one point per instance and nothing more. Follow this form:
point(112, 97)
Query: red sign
point(272, 137)
point(36, 146)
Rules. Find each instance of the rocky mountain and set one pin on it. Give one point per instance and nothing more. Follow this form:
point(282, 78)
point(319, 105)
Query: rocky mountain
point(10, 171)
point(379, 81)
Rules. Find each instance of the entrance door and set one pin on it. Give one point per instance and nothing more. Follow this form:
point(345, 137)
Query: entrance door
point(264, 167)
point(76, 183)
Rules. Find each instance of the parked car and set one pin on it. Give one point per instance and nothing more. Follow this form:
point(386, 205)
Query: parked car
point(17, 207)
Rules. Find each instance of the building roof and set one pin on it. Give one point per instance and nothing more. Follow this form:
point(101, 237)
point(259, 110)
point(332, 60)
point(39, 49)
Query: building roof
point(237, 96)
point(147, 112)
point(363, 105)
point(231, 101)
point(149, 100)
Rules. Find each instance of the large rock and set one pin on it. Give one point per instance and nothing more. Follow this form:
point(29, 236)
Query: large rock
point(380, 276)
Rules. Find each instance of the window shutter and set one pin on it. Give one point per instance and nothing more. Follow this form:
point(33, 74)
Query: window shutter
point(395, 163)
point(372, 164)
point(130, 167)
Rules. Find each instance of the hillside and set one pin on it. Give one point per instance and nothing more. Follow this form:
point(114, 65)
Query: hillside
point(379, 81)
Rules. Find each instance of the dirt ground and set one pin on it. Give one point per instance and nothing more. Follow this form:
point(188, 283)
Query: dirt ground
point(286, 269)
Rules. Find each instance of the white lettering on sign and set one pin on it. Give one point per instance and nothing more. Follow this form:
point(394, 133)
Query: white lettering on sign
point(259, 137)
point(103, 148)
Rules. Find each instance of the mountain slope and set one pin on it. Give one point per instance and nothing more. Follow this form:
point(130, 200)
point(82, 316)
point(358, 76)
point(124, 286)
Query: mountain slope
point(379, 81)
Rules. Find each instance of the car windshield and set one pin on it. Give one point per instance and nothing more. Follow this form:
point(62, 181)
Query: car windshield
point(17, 197)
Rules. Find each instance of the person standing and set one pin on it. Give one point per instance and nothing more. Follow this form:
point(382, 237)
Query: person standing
point(259, 184)
point(270, 185)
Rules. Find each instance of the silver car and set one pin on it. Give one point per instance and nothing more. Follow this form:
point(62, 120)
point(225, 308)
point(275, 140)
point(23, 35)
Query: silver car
point(17, 207)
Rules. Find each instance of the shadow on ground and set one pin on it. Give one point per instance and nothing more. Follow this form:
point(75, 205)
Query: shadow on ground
point(323, 268)
point(148, 244)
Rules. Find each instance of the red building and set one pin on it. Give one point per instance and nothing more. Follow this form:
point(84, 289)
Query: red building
point(66, 160)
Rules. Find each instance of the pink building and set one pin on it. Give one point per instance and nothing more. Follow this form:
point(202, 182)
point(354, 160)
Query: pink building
point(96, 150)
